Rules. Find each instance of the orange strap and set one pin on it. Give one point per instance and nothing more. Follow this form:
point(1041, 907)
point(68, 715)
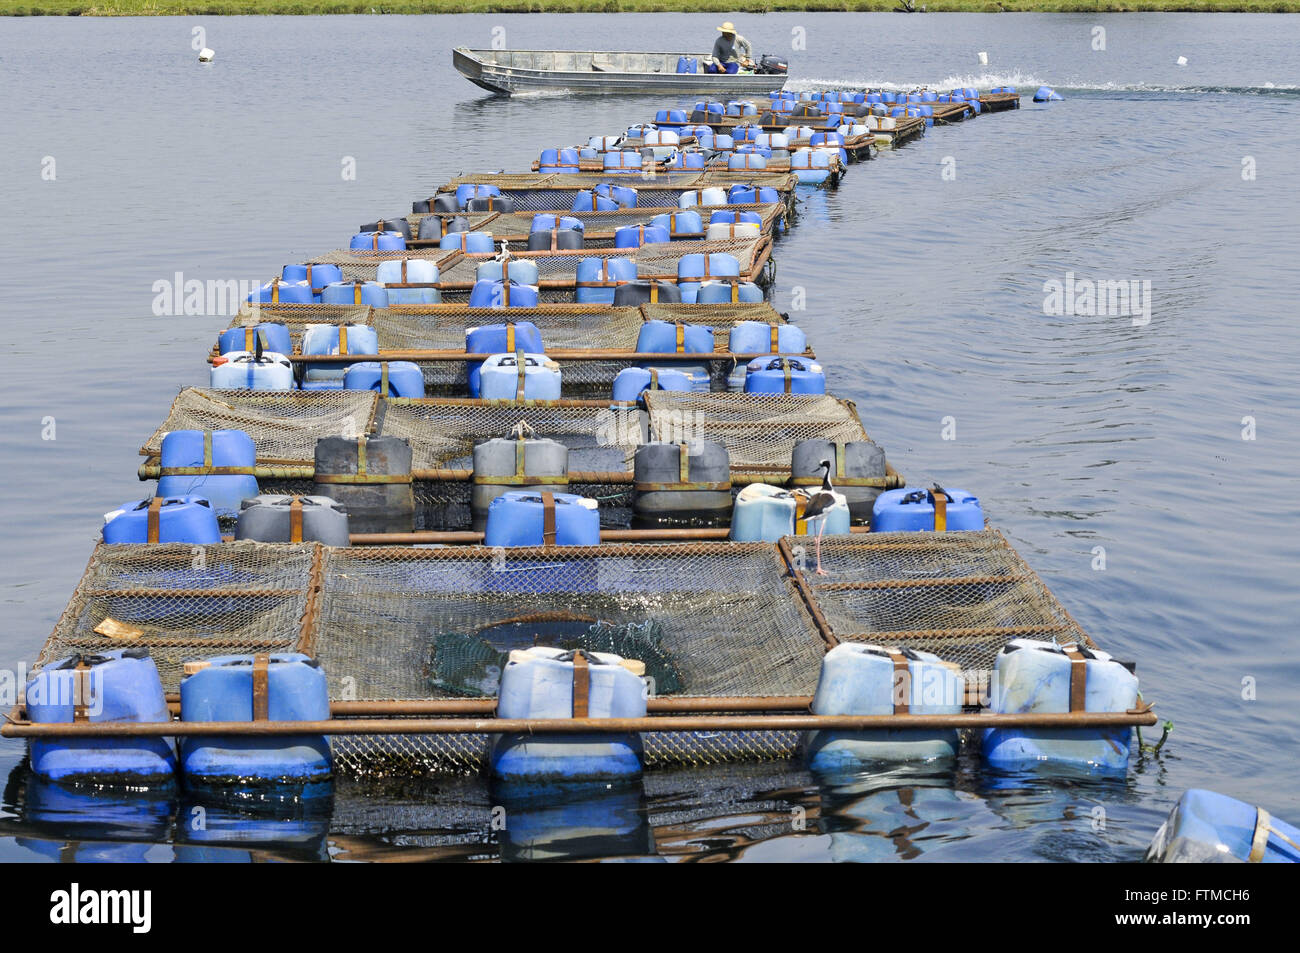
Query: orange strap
point(548, 518)
point(940, 511)
point(261, 687)
point(295, 520)
point(776, 338)
point(520, 368)
point(581, 685)
point(902, 681)
point(153, 519)
point(1078, 677)
point(510, 336)
point(681, 337)
point(343, 339)
point(81, 691)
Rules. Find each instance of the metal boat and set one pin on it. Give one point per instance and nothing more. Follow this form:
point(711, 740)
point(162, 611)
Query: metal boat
point(507, 72)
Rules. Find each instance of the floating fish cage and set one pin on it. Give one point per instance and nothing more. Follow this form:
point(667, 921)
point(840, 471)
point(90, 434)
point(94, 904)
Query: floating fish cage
point(598, 227)
point(591, 344)
point(759, 431)
point(554, 192)
point(559, 640)
point(413, 641)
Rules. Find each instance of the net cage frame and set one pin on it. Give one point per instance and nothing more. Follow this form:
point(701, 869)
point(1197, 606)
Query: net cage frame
point(387, 321)
point(553, 191)
point(392, 593)
point(759, 431)
point(597, 226)
point(591, 342)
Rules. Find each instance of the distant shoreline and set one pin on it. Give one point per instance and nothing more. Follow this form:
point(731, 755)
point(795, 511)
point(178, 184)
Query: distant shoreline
point(121, 8)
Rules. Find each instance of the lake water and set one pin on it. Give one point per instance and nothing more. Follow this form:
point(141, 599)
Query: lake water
point(925, 299)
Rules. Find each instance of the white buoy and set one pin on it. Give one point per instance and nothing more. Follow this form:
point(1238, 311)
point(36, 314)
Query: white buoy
point(205, 55)
point(1182, 61)
point(984, 59)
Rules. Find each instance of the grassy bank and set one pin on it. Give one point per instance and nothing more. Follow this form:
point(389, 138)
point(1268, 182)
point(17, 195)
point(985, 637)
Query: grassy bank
point(135, 8)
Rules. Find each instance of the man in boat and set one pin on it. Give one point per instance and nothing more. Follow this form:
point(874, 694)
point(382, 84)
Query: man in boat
point(731, 51)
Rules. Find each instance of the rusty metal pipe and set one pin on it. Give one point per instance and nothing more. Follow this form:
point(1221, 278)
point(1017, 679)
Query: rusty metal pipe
point(474, 726)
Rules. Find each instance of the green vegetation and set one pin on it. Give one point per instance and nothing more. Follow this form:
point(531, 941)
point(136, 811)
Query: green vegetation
point(135, 8)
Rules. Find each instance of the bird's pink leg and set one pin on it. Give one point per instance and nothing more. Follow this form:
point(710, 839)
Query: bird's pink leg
point(818, 547)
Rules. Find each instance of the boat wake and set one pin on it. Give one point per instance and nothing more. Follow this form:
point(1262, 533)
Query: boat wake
point(1029, 82)
point(954, 81)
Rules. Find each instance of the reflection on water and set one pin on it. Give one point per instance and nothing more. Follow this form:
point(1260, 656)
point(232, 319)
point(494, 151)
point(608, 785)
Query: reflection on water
point(765, 811)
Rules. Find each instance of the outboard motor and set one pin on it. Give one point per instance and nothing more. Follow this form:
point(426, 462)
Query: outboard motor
point(771, 65)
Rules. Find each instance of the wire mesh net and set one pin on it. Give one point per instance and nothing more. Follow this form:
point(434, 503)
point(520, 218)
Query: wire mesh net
point(720, 316)
point(758, 430)
point(393, 755)
point(185, 603)
point(962, 596)
point(284, 425)
point(660, 259)
point(442, 433)
point(361, 265)
point(708, 620)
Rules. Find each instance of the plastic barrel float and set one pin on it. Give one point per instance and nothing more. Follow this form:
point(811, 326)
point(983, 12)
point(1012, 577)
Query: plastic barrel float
point(784, 375)
point(635, 293)
point(279, 291)
point(409, 271)
point(1044, 677)
point(471, 243)
point(278, 687)
point(552, 683)
point(335, 339)
point(1207, 827)
point(436, 227)
point(684, 224)
point(217, 465)
point(912, 509)
point(598, 277)
point(519, 376)
point(251, 370)
point(386, 378)
point(121, 685)
point(631, 382)
point(762, 337)
point(542, 518)
point(317, 276)
point(370, 293)
point(388, 225)
point(504, 338)
point(502, 465)
point(371, 478)
point(273, 337)
point(171, 519)
point(676, 479)
point(860, 679)
point(271, 518)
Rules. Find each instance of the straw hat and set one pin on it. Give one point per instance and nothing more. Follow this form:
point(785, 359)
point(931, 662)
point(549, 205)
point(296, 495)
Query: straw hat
point(727, 27)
